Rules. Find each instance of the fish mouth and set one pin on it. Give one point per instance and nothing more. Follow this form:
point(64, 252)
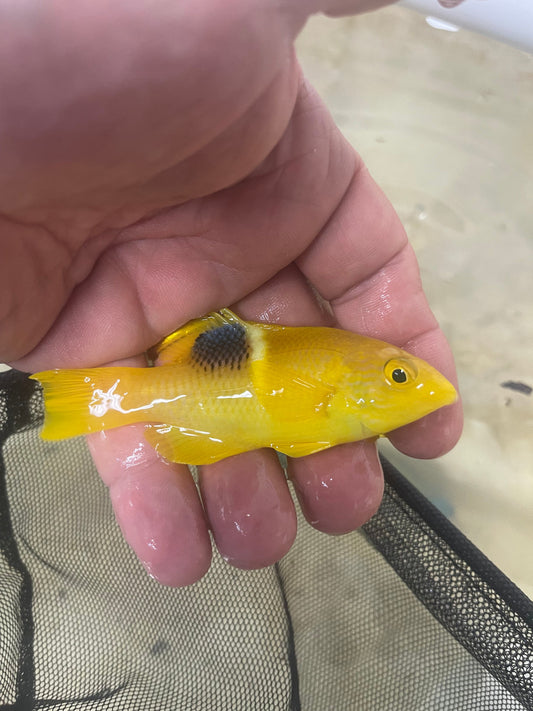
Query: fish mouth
point(434, 387)
point(439, 395)
point(446, 394)
point(442, 395)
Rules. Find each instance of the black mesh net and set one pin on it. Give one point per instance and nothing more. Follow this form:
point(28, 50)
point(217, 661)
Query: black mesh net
point(406, 614)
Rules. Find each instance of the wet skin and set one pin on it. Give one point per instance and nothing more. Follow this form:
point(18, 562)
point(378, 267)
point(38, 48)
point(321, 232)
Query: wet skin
point(145, 184)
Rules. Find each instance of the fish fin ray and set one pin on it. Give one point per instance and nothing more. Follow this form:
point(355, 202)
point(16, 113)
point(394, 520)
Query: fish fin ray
point(177, 346)
point(66, 403)
point(72, 398)
point(68, 395)
point(188, 446)
point(230, 317)
point(300, 449)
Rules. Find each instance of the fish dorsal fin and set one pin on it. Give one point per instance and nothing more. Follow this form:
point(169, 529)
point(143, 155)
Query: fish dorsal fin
point(177, 346)
point(186, 446)
point(228, 316)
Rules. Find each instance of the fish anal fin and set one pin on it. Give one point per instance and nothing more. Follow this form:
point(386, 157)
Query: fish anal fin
point(188, 446)
point(300, 449)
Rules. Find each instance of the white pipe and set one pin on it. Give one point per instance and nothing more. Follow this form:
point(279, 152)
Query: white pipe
point(509, 21)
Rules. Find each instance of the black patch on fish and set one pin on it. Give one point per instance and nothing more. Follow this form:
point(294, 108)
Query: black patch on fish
point(225, 346)
point(517, 386)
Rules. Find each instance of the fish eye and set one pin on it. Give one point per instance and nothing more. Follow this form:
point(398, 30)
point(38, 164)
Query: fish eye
point(399, 375)
point(400, 371)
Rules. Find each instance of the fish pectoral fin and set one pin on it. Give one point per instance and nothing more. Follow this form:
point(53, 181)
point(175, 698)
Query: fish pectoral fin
point(301, 449)
point(188, 446)
point(177, 346)
point(287, 394)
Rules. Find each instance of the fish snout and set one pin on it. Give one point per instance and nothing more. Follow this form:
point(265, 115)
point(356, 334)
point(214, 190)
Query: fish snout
point(435, 387)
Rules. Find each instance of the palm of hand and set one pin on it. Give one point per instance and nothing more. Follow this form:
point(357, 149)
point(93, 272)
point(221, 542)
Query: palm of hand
point(113, 252)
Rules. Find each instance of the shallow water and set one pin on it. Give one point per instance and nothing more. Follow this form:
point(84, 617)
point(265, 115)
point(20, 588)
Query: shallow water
point(443, 121)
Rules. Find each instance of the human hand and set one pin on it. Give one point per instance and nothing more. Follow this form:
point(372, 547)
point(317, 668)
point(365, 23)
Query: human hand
point(159, 165)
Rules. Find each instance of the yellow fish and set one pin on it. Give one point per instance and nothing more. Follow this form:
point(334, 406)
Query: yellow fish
point(223, 386)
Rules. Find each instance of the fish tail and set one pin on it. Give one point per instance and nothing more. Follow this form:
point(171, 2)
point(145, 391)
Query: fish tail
point(69, 397)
